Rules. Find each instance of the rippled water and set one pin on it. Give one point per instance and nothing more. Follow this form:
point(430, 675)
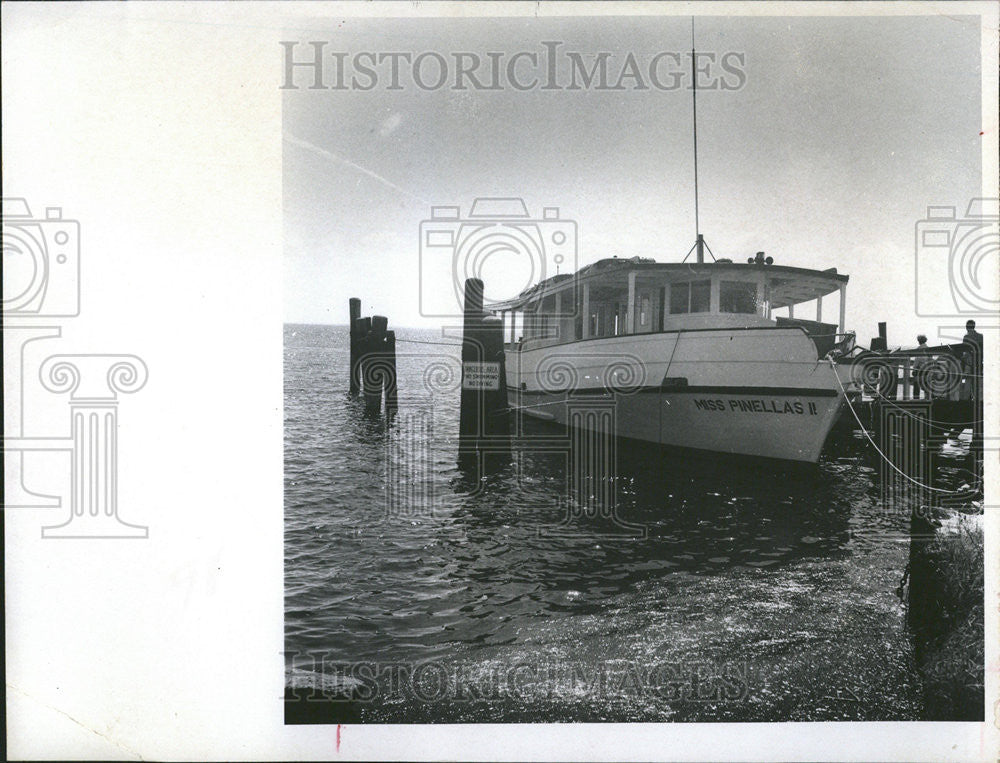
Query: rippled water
point(753, 595)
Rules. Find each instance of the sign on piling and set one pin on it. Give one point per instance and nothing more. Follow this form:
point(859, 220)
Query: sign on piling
point(481, 376)
point(483, 417)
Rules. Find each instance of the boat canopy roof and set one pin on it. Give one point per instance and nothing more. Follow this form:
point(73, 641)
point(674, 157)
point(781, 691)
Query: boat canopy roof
point(787, 285)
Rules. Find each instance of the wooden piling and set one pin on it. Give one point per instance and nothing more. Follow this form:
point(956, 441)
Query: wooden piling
point(391, 401)
point(880, 343)
point(354, 311)
point(373, 368)
point(362, 326)
point(470, 405)
point(484, 425)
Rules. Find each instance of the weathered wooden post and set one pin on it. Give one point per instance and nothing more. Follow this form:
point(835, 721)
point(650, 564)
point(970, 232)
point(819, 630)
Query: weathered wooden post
point(361, 328)
point(373, 371)
point(881, 341)
point(908, 426)
point(470, 408)
point(496, 398)
point(391, 398)
point(354, 311)
point(484, 425)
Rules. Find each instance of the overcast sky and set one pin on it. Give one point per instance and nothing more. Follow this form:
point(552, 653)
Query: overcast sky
point(844, 131)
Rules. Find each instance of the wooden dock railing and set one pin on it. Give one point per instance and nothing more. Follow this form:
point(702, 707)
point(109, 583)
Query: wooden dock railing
point(933, 373)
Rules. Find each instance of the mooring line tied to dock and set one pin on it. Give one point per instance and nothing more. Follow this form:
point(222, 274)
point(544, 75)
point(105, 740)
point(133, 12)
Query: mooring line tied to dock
point(878, 450)
point(424, 341)
point(931, 423)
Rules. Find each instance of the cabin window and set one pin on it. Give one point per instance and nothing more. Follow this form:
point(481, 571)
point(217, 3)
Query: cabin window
point(680, 298)
point(545, 324)
point(737, 297)
point(690, 297)
point(530, 324)
point(537, 324)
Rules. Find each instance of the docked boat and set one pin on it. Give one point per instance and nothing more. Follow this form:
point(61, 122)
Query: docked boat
point(699, 355)
point(693, 355)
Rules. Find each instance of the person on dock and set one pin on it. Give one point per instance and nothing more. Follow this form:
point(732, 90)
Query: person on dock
point(972, 363)
point(971, 335)
point(920, 362)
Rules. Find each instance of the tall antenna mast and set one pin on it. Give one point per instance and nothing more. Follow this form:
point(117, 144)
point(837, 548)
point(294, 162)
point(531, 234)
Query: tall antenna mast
point(699, 241)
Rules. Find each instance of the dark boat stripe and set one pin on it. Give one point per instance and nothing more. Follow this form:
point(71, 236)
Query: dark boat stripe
point(700, 390)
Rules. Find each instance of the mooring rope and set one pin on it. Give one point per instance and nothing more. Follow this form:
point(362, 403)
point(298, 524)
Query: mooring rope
point(515, 408)
point(929, 422)
point(422, 341)
point(673, 350)
point(879, 450)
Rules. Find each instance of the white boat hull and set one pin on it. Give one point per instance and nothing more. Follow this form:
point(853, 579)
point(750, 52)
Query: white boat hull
point(757, 392)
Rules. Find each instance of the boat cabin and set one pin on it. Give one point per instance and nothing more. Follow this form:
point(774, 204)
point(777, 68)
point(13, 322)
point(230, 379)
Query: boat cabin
point(616, 297)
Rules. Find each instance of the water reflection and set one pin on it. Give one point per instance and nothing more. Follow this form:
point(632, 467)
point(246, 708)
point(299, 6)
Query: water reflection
point(395, 553)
